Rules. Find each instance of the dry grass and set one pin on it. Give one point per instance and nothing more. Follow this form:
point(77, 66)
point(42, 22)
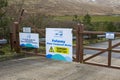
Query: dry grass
point(69, 7)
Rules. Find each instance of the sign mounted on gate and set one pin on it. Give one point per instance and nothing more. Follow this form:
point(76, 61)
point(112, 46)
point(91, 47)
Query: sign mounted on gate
point(27, 29)
point(59, 44)
point(110, 35)
point(29, 40)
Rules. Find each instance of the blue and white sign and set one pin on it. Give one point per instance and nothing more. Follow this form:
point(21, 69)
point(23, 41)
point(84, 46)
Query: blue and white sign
point(110, 35)
point(30, 40)
point(59, 44)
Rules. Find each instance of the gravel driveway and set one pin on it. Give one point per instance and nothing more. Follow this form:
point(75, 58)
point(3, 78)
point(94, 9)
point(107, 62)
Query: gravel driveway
point(40, 68)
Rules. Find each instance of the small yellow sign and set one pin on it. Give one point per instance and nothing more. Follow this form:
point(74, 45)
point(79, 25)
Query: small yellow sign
point(51, 49)
point(62, 50)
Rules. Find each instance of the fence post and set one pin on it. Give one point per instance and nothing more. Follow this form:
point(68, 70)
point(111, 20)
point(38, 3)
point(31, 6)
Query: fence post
point(17, 29)
point(81, 42)
point(77, 43)
point(13, 37)
point(109, 52)
point(11, 41)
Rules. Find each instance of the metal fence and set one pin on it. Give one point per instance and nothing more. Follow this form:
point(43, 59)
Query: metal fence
point(79, 47)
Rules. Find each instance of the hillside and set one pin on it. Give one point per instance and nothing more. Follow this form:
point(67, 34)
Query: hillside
point(71, 7)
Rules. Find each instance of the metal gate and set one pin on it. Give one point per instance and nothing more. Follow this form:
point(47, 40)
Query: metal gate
point(79, 57)
point(80, 47)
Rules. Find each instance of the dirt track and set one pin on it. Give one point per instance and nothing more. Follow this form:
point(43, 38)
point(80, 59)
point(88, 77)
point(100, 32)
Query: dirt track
point(39, 68)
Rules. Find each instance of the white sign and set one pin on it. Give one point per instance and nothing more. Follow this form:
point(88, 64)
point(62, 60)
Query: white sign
point(110, 35)
point(30, 40)
point(27, 29)
point(59, 44)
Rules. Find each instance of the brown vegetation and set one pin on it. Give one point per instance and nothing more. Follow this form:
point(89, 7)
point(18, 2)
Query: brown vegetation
point(70, 7)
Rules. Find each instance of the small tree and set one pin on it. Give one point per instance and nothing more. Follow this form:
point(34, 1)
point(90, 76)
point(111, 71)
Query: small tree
point(76, 19)
point(110, 27)
point(87, 22)
point(3, 4)
point(3, 18)
point(87, 19)
point(117, 27)
point(37, 20)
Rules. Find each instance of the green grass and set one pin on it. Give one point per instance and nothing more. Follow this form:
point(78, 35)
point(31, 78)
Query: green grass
point(9, 54)
point(63, 18)
point(105, 18)
point(6, 49)
point(94, 18)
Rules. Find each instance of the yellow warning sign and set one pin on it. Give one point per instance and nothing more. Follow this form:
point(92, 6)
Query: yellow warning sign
point(51, 49)
point(62, 50)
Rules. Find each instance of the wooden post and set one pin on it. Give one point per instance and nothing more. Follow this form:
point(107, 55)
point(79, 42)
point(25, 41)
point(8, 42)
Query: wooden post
point(77, 43)
point(109, 52)
point(21, 14)
point(11, 41)
point(81, 42)
point(14, 34)
point(17, 29)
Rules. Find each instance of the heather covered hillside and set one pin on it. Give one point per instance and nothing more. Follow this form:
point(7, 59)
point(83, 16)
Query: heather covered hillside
point(71, 7)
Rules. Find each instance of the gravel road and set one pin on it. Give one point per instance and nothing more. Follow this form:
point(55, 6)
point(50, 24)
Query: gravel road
point(40, 68)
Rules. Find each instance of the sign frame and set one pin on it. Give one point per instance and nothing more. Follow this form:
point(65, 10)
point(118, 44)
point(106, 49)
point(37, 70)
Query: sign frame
point(27, 29)
point(110, 35)
point(59, 44)
point(29, 40)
